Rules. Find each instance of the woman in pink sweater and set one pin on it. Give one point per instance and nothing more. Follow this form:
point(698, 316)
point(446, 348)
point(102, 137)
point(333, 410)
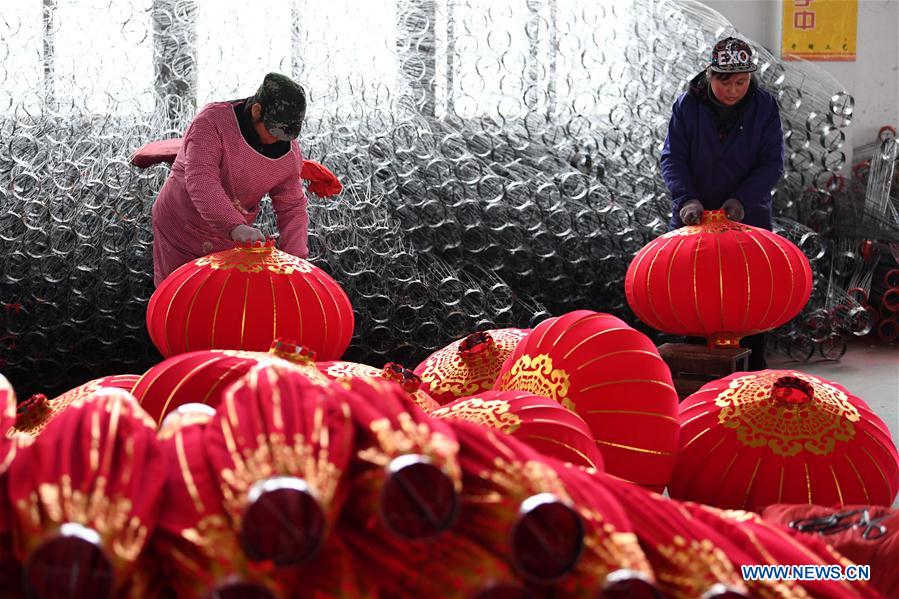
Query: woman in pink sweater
point(233, 154)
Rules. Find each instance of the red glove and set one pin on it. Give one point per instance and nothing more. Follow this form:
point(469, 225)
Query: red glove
point(322, 182)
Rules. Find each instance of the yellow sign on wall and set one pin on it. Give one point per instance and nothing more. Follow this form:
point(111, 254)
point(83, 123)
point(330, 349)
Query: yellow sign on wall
point(819, 29)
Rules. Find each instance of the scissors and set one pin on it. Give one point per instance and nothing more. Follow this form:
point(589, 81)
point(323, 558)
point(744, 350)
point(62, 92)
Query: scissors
point(834, 523)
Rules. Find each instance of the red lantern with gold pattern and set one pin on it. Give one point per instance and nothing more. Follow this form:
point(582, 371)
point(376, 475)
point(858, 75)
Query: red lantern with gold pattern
point(538, 421)
point(516, 505)
point(721, 280)
point(613, 378)
point(612, 559)
point(202, 376)
point(245, 298)
point(7, 419)
point(279, 445)
point(36, 412)
point(10, 569)
point(85, 497)
point(689, 558)
point(468, 366)
point(404, 377)
point(406, 475)
point(766, 543)
point(781, 436)
point(195, 542)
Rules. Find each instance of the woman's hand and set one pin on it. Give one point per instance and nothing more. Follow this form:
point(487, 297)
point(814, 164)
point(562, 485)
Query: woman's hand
point(245, 233)
point(733, 208)
point(691, 212)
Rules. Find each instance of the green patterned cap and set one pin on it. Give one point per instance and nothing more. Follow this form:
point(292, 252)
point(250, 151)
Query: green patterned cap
point(283, 105)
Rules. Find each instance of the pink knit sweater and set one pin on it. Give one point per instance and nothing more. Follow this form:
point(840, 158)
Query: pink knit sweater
point(215, 172)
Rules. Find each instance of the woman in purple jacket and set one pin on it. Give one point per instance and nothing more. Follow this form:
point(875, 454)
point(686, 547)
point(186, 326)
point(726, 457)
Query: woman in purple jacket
point(725, 149)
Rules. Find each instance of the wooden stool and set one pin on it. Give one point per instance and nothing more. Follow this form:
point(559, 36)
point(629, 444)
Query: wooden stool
point(692, 365)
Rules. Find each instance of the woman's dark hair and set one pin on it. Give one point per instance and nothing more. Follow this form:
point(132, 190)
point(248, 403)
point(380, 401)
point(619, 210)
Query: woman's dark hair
point(710, 74)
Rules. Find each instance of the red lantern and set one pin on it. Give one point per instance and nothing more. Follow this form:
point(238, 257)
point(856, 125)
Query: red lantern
point(538, 421)
point(85, 497)
point(195, 542)
point(766, 543)
point(202, 376)
point(780, 436)
point(279, 445)
point(721, 280)
point(612, 559)
point(613, 378)
point(7, 419)
point(468, 366)
point(36, 412)
point(516, 504)
point(410, 382)
point(245, 298)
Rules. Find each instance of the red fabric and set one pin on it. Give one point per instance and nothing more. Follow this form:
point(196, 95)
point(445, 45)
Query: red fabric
point(200, 377)
point(162, 150)
point(98, 464)
point(275, 422)
point(195, 543)
point(613, 377)
point(320, 181)
point(742, 448)
point(450, 373)
point(450, 565)
point(245, 298)
point(37, 415)
point(721, 278)
point(538, 421)
point(766, 543)
point(850, 536)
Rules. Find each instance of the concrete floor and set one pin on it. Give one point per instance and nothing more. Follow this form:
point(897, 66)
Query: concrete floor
point(868, 371)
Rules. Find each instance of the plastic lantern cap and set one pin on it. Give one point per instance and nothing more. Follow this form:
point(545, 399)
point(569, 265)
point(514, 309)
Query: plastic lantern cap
point(722, 591)
point(70, 565)
point(240, 589)
point(283, 523)
point(503, 590)
point(628, 584)
point(547, 538)
point(418, 499)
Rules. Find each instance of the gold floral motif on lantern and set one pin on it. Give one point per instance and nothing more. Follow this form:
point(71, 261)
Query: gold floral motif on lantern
point(449, 371)
point(124, 534)
point(408, 437)
point(490, 412)
point(713, 221)
point(536, 375)
point(612, 548)
point(339, 369)
point(695, 566)
point(256, 260)
point(276, 455)
point(787, 429)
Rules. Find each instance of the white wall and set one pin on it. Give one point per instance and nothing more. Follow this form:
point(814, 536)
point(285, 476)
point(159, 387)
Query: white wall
point(873, 79)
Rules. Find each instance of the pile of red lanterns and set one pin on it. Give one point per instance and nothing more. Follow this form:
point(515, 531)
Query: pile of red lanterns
point(254, 462)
